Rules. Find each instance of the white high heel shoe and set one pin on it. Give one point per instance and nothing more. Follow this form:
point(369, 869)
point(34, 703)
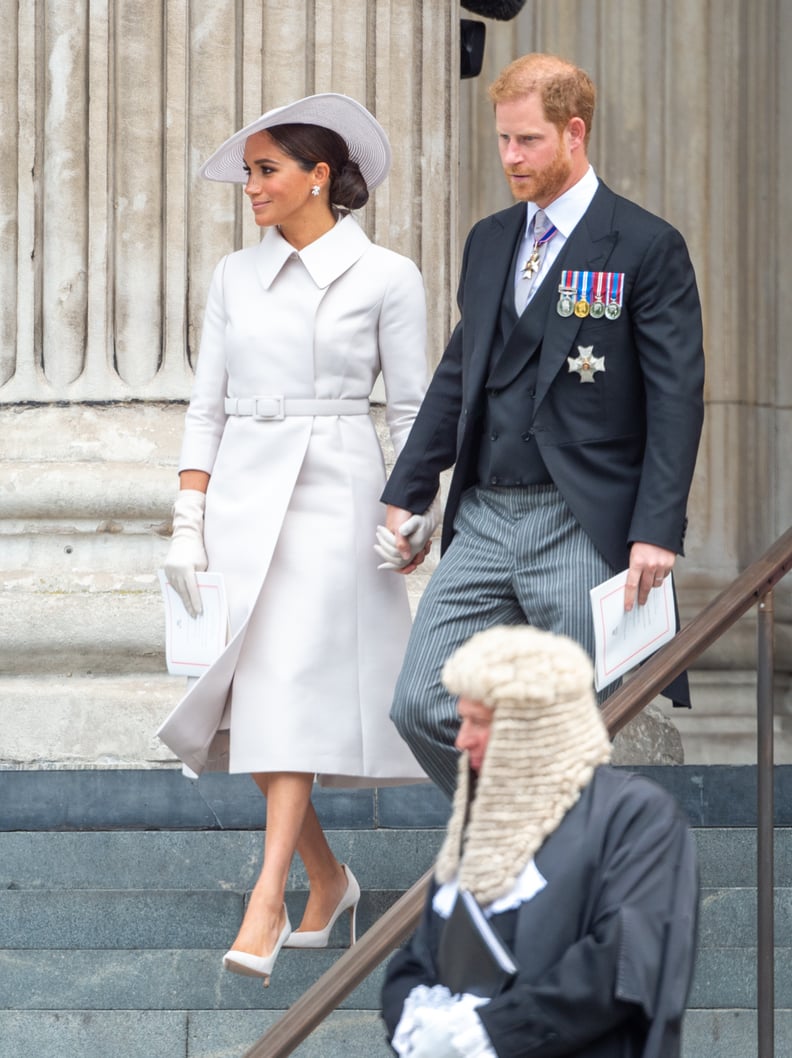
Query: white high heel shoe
point(318, 938)
point(240, 962)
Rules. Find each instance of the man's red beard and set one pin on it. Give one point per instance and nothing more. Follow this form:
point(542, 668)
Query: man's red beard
point(544, 185)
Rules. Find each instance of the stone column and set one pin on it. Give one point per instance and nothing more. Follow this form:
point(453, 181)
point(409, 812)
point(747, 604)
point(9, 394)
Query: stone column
point(691, 98)
point(109, 240)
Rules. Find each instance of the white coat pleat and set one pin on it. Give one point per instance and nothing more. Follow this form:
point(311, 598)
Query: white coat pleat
point(318, 632)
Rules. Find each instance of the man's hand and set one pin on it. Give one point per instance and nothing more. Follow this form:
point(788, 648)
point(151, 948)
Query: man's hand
point(649, 567)
point(405, 539)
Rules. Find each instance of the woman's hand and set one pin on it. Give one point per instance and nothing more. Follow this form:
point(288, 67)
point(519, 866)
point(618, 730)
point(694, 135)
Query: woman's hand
point(405, 540)
point(187, 554)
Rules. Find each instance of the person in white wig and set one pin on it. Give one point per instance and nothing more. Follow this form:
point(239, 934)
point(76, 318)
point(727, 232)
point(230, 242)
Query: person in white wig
point(585, 875)
point(280, 475)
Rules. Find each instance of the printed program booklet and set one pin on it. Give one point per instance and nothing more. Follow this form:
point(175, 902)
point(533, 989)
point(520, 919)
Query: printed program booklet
point(622, 640)
point(192, 644)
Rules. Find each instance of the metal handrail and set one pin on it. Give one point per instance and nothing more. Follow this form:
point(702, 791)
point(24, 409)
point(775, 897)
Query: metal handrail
point(753, 586)
point(765, 941)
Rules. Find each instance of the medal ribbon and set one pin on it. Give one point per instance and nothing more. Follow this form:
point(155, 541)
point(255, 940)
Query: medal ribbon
point(598, 292)
point(546, 236)
point(615, 284)
point(619, 285)
point(533, 265)
point(588, 278)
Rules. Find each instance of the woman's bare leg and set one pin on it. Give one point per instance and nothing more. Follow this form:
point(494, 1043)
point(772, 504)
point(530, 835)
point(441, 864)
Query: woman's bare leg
point(288, 798)
point(326, 876)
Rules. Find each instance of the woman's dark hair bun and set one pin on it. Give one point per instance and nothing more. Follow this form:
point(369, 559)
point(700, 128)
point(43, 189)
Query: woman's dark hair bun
point(348, 189)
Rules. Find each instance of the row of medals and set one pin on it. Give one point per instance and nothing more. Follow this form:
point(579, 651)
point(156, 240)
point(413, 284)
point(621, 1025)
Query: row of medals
point(568, 305)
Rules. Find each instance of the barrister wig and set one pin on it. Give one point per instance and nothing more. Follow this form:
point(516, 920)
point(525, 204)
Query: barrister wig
point(546, 739)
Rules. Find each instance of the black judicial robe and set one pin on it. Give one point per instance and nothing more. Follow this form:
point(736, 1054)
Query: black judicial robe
point(606, 950)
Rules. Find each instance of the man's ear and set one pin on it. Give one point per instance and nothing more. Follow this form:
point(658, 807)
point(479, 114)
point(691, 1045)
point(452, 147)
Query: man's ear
point(576, 131)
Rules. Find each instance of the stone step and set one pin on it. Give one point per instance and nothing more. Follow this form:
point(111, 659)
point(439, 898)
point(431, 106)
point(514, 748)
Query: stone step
point(83, 919)
point(345, 1034)
point(728, 917)
point(117, 798)
point(183, 979)
point(726, 977)
point(216, 860)
point(194, 979)
point(728, 1033)
point(191, 1034)
point(161, 798)
point(230, 859)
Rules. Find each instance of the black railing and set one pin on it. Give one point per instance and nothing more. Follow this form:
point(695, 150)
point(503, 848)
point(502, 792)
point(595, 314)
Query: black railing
point(754, 587)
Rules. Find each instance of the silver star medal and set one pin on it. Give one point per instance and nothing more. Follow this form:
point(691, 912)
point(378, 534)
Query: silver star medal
point(531, 266)
point(585, 364)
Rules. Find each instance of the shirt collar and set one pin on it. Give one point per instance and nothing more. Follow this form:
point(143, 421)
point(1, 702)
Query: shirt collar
point(567, 210)
point(325, 259)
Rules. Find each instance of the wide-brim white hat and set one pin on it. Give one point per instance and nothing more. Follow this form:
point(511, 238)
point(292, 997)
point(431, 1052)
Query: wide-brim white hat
point(364, 136)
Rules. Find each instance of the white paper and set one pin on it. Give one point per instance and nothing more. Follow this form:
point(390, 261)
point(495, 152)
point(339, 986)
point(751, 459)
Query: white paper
point(192, 644)
point(622, 640)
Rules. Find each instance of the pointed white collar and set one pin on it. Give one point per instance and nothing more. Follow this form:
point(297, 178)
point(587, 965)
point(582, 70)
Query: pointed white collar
point(566, 211)
point(325, 259)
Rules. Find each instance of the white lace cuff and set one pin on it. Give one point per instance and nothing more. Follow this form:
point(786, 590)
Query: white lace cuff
point(437, 1004)
point(470, 1036)
point(420, 999)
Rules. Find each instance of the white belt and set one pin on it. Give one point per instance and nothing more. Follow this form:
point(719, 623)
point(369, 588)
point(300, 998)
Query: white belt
point(275, 408)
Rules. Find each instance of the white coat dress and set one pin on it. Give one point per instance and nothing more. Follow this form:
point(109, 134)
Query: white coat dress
point(317, 631)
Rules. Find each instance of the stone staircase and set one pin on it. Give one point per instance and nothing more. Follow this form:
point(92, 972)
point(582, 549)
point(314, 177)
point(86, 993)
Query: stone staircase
point(120, 890)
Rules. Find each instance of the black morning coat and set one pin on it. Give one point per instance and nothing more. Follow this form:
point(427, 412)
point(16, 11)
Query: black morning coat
point(606, 950)
point(620, 449)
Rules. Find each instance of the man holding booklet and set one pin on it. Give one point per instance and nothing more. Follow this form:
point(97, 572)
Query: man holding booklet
point(568, 400)
point(562, 918)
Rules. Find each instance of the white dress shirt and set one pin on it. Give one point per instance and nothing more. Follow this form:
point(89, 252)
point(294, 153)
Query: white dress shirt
point(565, 212)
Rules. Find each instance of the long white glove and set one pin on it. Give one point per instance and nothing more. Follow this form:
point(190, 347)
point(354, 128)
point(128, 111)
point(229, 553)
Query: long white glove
point(187, 554)
point(417, 530)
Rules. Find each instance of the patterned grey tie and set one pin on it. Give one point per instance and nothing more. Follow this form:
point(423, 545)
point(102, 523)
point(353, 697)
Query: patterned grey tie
point(533, 266)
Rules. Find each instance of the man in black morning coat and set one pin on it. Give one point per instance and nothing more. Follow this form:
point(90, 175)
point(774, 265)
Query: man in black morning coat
point(569, 399)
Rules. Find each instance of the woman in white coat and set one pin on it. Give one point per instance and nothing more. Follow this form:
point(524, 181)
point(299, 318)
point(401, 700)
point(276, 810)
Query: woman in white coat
point(280, 474)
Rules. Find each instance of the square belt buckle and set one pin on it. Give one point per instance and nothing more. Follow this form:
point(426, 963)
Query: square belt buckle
point(268, 408)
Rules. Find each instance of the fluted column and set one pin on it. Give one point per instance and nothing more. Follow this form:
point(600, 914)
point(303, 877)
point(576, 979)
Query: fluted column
point(111, 236)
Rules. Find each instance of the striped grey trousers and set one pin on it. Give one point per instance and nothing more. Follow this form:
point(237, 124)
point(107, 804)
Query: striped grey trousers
point(518, 555)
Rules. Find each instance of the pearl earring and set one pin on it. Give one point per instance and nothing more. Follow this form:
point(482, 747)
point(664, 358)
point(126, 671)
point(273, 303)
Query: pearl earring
point(315, 190)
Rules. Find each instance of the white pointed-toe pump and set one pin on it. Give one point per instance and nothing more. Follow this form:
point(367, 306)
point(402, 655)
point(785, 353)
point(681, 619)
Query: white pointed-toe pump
point(240, 962)
point(318, 938)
